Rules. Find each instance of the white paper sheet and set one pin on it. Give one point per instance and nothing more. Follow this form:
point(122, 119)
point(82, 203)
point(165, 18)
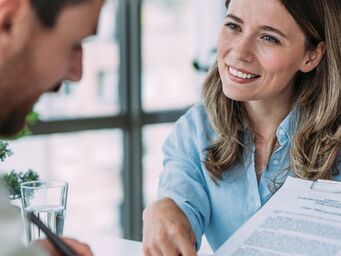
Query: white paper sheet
point(302, 218)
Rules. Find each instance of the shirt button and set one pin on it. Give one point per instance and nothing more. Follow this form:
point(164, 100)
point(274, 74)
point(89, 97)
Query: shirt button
point(281, 132)
point(275, 162)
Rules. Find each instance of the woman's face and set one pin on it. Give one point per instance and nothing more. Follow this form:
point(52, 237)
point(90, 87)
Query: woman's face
point(260, 49)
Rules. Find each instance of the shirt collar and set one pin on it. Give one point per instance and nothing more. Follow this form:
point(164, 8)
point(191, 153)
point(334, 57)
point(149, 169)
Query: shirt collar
point(287, 127)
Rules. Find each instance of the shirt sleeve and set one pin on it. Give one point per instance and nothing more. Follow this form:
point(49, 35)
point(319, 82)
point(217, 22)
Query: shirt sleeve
point(182, 178)
point(11, 231)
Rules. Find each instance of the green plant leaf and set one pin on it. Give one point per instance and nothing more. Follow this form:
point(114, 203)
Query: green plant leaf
point(32, 118)
point(4, 150)
point(13, 179)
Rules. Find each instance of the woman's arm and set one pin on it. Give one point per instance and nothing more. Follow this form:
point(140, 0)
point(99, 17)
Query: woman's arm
point(175, 223)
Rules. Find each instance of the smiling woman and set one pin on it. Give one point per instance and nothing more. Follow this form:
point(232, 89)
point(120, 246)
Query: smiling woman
point(275, 51)
point(271, 109)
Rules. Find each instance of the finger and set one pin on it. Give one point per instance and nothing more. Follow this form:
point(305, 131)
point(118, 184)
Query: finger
point(186, 248)
point(151, 248)
point(168, 248)
point(85, 250)
point(146, 251)
point(81, 249)
point(155, 251)
point(182, 239)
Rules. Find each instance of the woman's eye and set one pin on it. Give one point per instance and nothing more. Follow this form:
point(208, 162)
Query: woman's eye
point(233, 26)
point(270, 39)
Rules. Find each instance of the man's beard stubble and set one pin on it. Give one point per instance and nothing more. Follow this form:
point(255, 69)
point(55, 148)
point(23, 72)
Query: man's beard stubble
point(13, 122)
point(16, 99)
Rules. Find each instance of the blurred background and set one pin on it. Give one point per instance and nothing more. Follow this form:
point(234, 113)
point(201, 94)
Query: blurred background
point(104, 134)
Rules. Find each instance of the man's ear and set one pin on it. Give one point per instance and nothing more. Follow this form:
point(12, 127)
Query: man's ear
point(10, 12)
point(313, 57)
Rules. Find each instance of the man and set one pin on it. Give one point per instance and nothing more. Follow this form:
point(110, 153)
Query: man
point(40, 46)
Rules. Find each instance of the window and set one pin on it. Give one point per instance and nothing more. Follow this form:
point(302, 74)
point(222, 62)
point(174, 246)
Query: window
point(169, 37)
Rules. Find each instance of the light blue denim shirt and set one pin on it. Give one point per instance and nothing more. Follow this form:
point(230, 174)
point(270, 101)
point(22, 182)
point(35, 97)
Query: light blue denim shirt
point(218, 209)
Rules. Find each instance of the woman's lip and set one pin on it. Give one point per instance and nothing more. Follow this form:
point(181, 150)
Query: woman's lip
point(240, 80)
point(242, 70)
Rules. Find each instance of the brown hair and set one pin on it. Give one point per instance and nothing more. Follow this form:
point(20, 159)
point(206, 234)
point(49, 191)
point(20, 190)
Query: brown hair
point(48, 10)
point(317, 96)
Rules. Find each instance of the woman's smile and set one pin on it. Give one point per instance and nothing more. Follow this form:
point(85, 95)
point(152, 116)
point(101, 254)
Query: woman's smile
point(241, 76)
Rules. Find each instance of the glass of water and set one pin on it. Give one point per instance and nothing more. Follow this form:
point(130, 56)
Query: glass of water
point(47, 200)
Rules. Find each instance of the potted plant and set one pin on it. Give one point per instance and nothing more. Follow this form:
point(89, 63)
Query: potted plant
point(13, 179)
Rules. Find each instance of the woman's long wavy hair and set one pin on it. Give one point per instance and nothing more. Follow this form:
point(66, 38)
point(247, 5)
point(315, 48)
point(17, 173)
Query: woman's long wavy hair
point(317, 97)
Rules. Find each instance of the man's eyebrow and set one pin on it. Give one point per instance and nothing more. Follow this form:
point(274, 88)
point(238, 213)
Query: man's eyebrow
point(275, 30)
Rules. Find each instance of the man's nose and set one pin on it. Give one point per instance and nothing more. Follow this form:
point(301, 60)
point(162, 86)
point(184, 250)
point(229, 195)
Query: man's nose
point(76, 65)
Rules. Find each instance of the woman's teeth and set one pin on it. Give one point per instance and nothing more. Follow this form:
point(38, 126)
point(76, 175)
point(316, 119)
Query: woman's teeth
point(240, 74)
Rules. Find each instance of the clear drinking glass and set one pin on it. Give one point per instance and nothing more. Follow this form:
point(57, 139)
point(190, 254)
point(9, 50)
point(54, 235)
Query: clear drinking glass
point(47, 200)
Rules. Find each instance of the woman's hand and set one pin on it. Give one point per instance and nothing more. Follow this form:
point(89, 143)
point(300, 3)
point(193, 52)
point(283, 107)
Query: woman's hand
point(80, 248)
point(167, 231)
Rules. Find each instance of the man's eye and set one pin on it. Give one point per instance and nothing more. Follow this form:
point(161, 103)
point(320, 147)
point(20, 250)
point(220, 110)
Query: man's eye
point(270, 39)
point(233, 26)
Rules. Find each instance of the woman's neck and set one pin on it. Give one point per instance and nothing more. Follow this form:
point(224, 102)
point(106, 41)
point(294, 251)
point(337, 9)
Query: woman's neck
point(264, 121)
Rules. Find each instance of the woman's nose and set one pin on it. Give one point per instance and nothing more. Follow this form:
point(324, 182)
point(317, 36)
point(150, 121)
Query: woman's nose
point(243, 49)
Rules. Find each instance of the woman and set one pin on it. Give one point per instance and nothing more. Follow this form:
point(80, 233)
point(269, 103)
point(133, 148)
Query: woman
point(272, 108)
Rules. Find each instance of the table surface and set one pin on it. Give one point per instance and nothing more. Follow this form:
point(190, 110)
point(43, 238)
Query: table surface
point(108, 246)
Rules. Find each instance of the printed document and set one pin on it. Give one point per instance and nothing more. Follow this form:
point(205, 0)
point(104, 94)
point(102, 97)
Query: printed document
point(302, 218)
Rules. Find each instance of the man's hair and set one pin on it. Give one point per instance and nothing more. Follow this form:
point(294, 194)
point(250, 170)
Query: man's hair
point(48, 10)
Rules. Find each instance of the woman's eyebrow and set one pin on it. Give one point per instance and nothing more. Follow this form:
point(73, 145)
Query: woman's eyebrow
point(234, 17)
point(264, 27)
point(272, 29)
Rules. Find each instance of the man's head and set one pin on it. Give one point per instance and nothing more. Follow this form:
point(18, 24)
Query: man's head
point(40, 46)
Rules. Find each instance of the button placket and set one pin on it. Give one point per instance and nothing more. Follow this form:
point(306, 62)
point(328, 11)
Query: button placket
point(281, 132)
point(275, 162)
